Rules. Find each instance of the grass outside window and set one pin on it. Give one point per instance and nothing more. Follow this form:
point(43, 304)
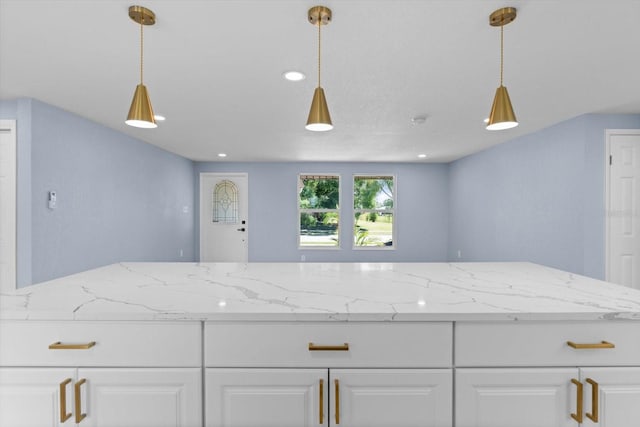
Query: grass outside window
point(319, 211)
point(374, 208)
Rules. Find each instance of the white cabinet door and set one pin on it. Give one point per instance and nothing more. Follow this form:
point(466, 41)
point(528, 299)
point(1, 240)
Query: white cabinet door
point(266, 397)
point(31, 397)
point(391, 397)
point(145, 397)
point(540, 397)
point(616, 402)
point(346, 397)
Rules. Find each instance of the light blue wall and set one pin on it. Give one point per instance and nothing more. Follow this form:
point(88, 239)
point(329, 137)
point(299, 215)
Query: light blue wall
point(538, 198)
point(119, 199)
point(421, 216)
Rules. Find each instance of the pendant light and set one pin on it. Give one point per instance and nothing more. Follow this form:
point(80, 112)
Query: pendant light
point(319, 118)
point(502, 115)
point(141, 112)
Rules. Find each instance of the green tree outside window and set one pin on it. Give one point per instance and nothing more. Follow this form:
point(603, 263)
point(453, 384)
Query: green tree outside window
point(373, 208)
point(319, 208)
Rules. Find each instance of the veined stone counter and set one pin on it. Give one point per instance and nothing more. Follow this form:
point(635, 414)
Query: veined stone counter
point(323, 292)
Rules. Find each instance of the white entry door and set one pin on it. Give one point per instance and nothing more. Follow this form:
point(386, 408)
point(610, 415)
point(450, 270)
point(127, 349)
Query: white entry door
point(623, 214)
point(7, 205)
point(224, 208)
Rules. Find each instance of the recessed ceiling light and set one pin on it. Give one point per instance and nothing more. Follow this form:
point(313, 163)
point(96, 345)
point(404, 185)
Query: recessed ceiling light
point(294, 76)
point(159, 118)
point(222, 304)
point(422, 302)
point(418, 120)
point(422, 156)
point(486, 120)
point(222, 155)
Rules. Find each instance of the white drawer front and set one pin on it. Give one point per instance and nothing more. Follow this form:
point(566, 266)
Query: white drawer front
point(151, 344)
point(263, 344)
point(546, 343)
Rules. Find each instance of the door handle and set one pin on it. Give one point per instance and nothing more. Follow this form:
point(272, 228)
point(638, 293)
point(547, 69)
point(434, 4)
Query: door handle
point(79, 415)
point(593, 416)
point(321, 405)
point(64, 416)
point(578, 415)
point(337, 383)
point(242, 229)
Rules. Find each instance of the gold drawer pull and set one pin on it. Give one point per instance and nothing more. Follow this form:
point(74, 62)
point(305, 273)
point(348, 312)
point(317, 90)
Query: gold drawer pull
point(603, 344)
point(593, 416)
point(59, 346)
point(79, 415)
point(63, 401)
point(578, 415)
point(315, 347)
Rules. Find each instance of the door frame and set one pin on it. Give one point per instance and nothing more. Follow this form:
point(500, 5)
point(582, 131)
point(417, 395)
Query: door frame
point(9, 126)
point(607, 192)
point(202, 214)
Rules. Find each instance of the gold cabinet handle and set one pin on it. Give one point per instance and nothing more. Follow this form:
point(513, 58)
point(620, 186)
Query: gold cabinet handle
point(337, 382)
point(60, 346)
point(603, 344)
point(79, 415)
point(593, 416)
point(316, 347)
point(63, 401)
point(578, 415)
point(321, 412)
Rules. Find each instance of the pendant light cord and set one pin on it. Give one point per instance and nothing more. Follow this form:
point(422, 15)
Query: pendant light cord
point(141, 50)
point(501, 52)
point(319, 25)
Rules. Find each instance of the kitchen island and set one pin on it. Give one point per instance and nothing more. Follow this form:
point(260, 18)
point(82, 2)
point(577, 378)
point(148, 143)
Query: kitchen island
point(323, 292)
point(288, 344)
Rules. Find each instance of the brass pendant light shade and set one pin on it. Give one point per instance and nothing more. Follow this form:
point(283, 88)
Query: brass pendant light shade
point(141, 113)
point(319, 117)
point(502, 115)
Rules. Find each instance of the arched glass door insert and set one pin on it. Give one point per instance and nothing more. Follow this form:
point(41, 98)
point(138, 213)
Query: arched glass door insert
point(225, 202)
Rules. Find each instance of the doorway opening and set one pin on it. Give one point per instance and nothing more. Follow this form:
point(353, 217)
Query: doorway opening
point(623, 207)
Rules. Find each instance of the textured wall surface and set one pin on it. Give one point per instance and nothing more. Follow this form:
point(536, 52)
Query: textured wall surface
point(538, 198)
point(118, 198)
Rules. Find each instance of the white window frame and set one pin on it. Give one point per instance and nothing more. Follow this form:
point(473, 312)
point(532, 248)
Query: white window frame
point(338, 211)
point(392, 211)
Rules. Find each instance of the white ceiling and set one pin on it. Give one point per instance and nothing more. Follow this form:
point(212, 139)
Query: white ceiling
point(214, 69)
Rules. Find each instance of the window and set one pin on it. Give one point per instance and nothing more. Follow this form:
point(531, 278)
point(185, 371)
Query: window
point(373, 208)
point(225, 202)
point(319, 208)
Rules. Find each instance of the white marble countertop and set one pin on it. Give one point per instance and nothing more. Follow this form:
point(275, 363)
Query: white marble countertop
point(323, 292)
